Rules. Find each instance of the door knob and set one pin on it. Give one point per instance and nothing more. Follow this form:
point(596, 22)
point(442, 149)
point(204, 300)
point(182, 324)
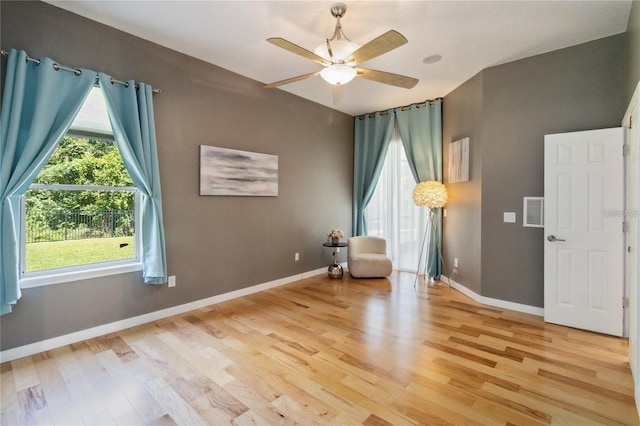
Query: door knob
point(553, 239)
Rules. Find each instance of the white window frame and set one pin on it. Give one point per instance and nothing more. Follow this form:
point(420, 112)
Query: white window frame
point(87, 130)
point(79, 272)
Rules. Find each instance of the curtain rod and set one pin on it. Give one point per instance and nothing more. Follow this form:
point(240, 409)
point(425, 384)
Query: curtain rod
point(78, 72)
point(403, 108)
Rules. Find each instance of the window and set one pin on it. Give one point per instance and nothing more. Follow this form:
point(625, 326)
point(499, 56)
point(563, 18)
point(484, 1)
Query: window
point(80, 214)
point(392, 214)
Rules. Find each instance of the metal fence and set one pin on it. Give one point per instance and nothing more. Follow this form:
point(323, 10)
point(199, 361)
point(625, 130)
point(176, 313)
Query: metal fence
point(78, 224)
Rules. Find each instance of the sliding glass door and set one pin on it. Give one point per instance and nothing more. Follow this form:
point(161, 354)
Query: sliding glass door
point(391, 213)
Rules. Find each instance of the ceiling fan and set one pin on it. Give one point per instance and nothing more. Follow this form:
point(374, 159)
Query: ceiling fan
point(340, 56)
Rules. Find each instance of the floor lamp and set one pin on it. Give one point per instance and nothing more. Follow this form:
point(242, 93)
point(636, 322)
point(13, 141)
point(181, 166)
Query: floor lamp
point(433, 195)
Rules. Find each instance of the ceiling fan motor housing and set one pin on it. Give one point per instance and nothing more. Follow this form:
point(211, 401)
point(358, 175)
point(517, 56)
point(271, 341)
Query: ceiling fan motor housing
point(338, 48)
point(338, 10)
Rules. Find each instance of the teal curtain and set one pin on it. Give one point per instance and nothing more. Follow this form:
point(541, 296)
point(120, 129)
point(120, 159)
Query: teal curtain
point(39, 104)
point(371, 142)
point(420, 128)
point(131, 116)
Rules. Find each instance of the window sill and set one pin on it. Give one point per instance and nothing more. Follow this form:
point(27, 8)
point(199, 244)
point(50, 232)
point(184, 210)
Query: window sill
point(63, 277)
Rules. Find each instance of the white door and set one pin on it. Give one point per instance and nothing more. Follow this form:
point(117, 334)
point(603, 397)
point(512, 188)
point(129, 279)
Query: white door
point(584, 238)
point(630, 123)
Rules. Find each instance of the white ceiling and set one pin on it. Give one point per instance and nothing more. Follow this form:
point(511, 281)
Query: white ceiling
point(469, 35)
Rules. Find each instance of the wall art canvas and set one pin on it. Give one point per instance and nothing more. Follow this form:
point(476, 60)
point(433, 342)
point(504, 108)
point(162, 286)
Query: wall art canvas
point(459, 161)
point(226, 171)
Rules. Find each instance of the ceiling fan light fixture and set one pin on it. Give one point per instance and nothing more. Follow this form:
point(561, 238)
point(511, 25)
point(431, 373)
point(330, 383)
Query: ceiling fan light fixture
point(341, 50)
point(338, 74)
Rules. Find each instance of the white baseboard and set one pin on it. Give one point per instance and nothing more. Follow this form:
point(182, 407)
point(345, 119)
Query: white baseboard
point(90, 333)
point(504, 304)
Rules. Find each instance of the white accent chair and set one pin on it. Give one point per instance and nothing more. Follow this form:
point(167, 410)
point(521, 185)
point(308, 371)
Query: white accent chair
point(367, 257)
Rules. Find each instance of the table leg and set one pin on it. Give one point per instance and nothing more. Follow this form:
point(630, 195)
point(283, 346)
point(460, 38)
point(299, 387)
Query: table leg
point(335, 270)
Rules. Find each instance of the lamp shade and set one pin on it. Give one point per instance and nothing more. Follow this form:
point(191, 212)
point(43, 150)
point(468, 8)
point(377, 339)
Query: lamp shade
point(338, 74)
point(432, 194)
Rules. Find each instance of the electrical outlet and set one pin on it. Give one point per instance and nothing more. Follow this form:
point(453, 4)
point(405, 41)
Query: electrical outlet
point(455, 262)
point(172, 281)
point(296, 257)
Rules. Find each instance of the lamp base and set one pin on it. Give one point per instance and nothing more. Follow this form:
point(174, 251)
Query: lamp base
point(439, 253)
point(335, 271)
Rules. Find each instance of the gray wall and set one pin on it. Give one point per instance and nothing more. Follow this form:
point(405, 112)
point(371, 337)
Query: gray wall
point(633, 49)
point(461, 118)
point(214, 244)
point(578, 88)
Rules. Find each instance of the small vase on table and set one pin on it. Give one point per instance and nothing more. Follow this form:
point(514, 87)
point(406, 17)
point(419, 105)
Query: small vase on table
point(335, 240)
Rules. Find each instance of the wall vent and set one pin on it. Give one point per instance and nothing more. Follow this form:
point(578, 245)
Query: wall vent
point(533, 212)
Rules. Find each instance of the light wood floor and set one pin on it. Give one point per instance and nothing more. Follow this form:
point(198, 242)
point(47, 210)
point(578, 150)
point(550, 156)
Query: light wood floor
point(324, 351)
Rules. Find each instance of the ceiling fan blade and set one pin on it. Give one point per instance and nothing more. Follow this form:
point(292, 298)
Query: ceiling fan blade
point(387, 78)
point(294, 48)
point(291, 80)
point(378, 46)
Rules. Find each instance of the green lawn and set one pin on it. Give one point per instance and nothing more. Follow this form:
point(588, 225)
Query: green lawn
point(77, 252)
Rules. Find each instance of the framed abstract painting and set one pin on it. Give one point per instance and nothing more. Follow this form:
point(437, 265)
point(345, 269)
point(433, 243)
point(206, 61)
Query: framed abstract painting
point(459, 161)
point(226, 171)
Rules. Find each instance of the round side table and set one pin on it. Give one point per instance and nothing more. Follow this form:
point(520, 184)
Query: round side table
point(335, 269)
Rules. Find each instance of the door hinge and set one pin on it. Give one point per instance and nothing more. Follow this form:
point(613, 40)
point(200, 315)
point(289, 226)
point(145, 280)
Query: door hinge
point(625, 150)
point(625, 302)
point(625, 227)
